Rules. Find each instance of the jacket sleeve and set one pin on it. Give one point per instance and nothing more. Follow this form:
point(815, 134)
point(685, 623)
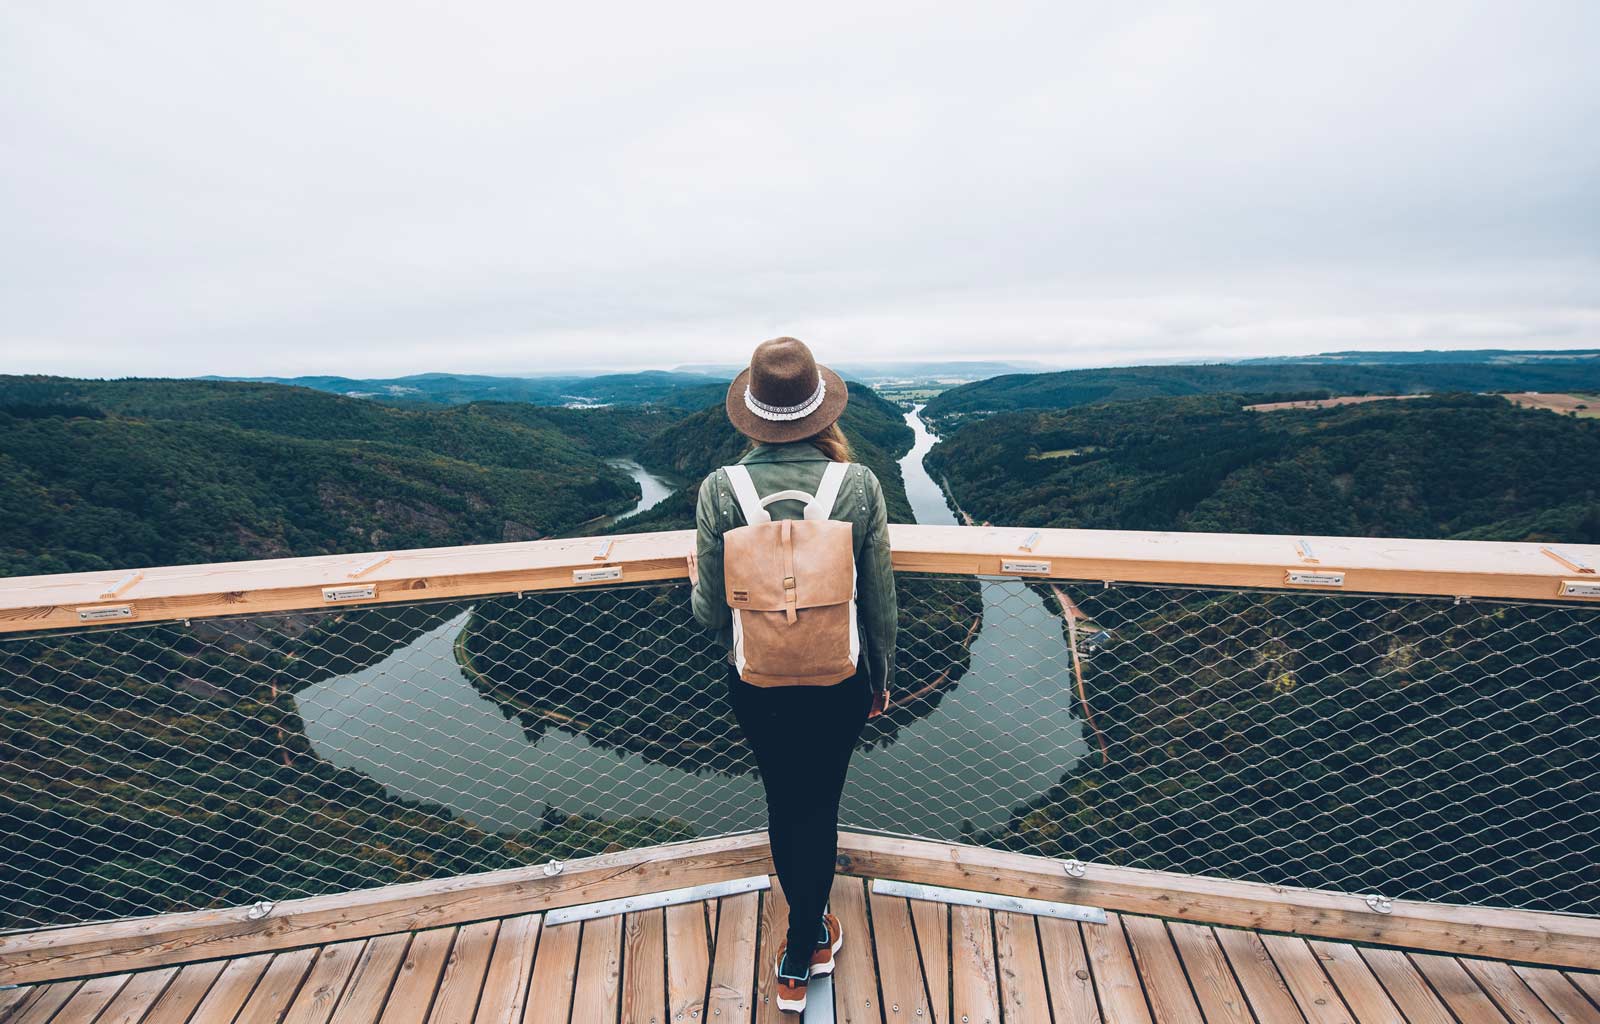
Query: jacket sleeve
point(710, 608)
point(875, 594)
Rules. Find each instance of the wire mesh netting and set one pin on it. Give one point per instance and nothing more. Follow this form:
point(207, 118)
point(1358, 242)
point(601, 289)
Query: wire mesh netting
point(1417, 747)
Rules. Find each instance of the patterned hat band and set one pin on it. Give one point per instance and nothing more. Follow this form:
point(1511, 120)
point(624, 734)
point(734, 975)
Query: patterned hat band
point(786, 412)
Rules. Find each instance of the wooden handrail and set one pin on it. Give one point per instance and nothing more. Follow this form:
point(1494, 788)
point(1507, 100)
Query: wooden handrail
point(143, 942)
point(1531, 936)
point(1561, 940)
point(1446, 568)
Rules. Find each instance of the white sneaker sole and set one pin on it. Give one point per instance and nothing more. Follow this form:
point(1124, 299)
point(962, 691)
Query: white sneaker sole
point(790, 1005)
point(833, 953)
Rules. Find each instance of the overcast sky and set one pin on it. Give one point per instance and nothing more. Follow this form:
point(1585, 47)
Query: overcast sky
point(375, 188)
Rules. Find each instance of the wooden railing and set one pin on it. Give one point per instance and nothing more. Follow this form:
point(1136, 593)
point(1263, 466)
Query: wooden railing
point(1481, 569)
point(1521, 935)
point(1524, 572)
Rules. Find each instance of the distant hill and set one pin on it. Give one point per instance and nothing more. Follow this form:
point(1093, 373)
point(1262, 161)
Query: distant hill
point(100, 474)
point(1459, 466)
point(1496, 356)
point(650, 387)
point(877, 373)
point(1273, 381)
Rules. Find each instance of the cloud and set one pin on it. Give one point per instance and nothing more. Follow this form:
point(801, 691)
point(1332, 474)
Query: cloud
point(365, 188)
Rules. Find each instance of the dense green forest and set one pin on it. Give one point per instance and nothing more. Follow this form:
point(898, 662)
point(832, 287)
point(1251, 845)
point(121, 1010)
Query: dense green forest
point(1455, 466)
point(125, 474)
point(1274, 381)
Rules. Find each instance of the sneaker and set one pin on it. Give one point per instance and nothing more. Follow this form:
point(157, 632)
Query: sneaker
point(791, 990)
point(822, 959)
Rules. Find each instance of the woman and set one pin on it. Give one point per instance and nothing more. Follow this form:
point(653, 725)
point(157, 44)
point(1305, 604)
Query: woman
point(802, 736)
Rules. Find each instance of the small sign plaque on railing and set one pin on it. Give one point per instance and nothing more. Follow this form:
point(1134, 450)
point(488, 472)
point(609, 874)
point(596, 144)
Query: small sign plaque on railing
point(363, 592)
point(120, 611)
point(1017, 565)
point(1307, 578)
point(607, 572)
point(1579, 588)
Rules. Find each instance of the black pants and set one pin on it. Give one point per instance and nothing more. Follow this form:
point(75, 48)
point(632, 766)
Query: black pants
point(803, 737)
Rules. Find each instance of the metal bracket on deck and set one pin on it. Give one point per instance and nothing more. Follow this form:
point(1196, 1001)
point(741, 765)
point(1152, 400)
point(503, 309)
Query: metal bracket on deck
point(652, 900)
point(989, 901)
point(819, 1001)
point(1076, 868)
point(1379, 904)
point(259, 910)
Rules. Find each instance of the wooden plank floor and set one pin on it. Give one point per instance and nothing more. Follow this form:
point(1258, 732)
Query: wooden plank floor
point(903, 961)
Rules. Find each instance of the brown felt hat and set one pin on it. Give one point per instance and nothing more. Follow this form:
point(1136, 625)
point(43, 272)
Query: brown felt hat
point(784, 394)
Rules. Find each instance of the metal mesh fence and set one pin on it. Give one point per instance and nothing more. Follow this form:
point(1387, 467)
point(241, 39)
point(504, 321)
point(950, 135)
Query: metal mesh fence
point(1421, 748)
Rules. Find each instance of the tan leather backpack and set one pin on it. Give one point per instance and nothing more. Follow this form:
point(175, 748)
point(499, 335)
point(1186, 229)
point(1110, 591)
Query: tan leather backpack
point(792, 586)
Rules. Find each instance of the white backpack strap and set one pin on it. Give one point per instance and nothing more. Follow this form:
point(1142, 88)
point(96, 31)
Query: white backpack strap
point(744, 489)
point(821, 507)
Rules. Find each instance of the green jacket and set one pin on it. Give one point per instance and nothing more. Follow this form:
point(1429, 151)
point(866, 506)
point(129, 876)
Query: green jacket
point(798, 465)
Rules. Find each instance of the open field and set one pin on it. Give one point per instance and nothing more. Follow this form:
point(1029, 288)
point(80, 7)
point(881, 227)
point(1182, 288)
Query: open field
point(1066, 453)
point(1326, 403)
point(1578, 404)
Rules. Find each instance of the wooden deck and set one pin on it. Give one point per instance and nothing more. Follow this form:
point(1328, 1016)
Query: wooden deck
point(903, 960)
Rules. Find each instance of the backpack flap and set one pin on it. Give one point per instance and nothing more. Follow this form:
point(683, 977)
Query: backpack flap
point(758, 565)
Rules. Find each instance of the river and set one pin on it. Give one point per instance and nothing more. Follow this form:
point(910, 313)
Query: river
point(1004, 734)
point(653, 489)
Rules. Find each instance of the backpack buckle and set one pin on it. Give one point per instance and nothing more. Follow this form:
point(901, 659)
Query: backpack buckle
point(788, 582)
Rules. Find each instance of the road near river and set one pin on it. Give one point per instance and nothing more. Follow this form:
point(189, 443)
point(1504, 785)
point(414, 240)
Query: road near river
point(1002, 735)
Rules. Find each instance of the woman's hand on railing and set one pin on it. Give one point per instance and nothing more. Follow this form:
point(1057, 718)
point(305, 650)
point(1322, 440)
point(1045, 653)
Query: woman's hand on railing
point(694, 570)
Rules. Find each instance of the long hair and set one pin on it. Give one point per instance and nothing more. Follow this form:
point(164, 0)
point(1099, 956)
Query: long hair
point(830, 441)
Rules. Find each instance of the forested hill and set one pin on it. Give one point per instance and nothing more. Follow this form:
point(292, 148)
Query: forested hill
point(1460, 466)
point(1500, 356)
point(149, 472)
point(700, 443)
point(1069, 388)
